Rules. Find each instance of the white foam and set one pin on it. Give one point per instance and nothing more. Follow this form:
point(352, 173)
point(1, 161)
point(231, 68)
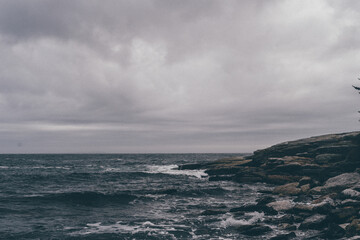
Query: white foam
point(174, 170)
point(232, 222)
point(113, 169)
point(148, 227)
point(98, 228)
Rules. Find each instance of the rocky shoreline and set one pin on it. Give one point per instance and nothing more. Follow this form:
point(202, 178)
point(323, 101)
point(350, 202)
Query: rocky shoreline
point(316, 186)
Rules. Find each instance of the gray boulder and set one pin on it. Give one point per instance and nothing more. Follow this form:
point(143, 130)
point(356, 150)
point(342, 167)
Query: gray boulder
point(342, 181)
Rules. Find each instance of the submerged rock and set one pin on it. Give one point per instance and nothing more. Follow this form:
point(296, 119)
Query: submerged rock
point(284, 236)
point(213, 212)
point(333, 231)
point(316, 222)
point(353, 228)
point(343, 215)
point(254, 229)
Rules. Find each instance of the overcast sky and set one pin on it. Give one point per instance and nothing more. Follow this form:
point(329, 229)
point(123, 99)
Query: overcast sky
point(142, 76)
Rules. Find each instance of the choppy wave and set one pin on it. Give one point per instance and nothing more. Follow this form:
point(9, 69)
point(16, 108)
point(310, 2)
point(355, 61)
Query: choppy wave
point(85, 198)
point(145, 230)
point(174, 170)
point(232, 222)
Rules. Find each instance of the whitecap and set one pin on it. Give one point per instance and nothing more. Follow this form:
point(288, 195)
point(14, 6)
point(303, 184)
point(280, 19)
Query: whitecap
point(232, 222)
point(174, 170)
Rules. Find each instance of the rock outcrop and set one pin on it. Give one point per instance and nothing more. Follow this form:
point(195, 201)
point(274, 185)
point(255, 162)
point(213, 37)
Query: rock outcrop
point(316, 185)
point(314, 160)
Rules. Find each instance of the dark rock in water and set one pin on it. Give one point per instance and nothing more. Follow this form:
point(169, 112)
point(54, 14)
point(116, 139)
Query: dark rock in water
point(343, 215)
point(254, 229)
point(222, 171)
point(193, 166)
point(246, 208)
point(287, 227)
point(353, 228)
point(253, 208)
point(249, 208)
point(265, 200)
point(316, 222)
point(350, 193)
point(180, 234)
point(305, 180)
point(288, 219)
point(221, 178)
point(284, 236)
point(350, 203)
point(333, 231)
point(303, 198)
point(212, 212)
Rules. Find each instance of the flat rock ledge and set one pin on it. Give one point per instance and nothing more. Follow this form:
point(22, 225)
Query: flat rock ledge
point(316, 185)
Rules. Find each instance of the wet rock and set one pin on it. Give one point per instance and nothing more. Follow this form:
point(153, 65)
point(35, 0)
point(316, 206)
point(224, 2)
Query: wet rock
point(353, 228)
point(213, 212)
point(343, 215)
point(288, 227)
point(305, 180)
point(350, 203)
point(286, 219)
point(281, 179)
point(335, 149)
point(255, 208)
point(317, 190)
point(288, 189)
point(193, 166)
point(246, 208)
point(180, 234)
point(333, 231)
point(288, 168)
point(265, 200)
point(303, 198)
point(300, 208)
point(221, 178)
point(350, 193)
point(249, 175)
point(222, 170)
point(326, 198)
point(316, 222)
point(284, 236)
point(254, 229)
point(342, 181)
point(305, 188)
point(281, 205)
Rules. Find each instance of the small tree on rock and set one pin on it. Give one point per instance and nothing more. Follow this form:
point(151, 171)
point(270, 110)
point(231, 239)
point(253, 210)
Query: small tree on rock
point(358, 89)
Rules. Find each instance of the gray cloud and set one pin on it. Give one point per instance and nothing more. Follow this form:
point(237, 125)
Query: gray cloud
point(174, 76)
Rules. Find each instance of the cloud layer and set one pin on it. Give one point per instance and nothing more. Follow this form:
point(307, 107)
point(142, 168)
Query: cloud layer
point(175, 76)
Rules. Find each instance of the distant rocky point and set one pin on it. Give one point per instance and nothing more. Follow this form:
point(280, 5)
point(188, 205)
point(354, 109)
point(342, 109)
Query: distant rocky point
point(316, 184)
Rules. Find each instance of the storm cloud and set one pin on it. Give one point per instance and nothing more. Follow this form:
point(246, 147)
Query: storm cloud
point(175, 76)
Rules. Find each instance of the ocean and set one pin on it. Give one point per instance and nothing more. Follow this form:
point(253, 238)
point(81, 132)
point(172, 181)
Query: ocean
point(119, 196)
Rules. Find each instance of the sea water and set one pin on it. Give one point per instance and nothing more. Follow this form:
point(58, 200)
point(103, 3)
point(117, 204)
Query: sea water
point(118, 196)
